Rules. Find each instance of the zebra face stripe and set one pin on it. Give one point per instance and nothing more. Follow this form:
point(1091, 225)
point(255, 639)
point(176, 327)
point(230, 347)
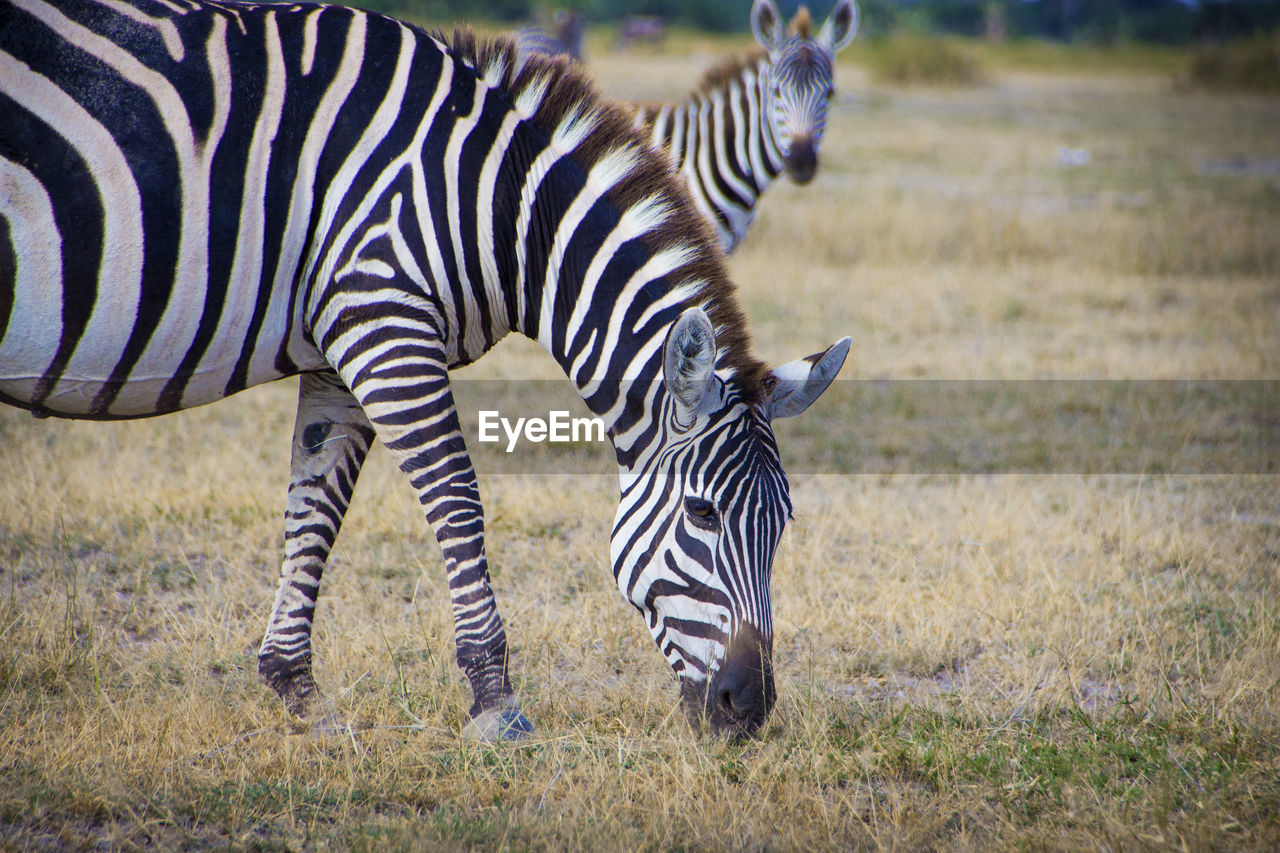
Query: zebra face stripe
point(799, 85)
point(693, 546)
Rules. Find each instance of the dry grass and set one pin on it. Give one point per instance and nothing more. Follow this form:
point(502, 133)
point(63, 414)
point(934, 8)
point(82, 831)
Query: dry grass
point(1045, 661)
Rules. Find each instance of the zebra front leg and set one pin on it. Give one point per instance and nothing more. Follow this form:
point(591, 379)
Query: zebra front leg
point(407, 397)
point(330, 441)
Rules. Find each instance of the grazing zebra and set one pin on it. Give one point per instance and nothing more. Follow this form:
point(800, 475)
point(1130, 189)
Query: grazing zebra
point(197, 197)
point(754, 116)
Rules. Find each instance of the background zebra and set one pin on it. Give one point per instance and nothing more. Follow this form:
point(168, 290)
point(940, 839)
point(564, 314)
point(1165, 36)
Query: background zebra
point(559, 33)
point(199, 197)
point(754, 116)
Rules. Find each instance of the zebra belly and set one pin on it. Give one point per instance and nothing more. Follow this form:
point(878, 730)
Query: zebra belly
point(138, 396)
point(116, 367)
point(102, 343)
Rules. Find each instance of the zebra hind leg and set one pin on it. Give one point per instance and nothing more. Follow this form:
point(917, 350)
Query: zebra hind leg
point(331, 438)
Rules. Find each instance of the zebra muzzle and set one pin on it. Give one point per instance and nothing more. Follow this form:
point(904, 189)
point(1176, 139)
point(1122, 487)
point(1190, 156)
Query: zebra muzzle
point(737, 699)
point(802, 160)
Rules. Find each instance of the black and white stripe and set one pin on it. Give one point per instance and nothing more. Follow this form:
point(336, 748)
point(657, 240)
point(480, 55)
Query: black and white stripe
point(196, 197)
point(754, 117)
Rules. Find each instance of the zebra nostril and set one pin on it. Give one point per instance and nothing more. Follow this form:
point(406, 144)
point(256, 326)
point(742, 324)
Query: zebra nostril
point(741, 694)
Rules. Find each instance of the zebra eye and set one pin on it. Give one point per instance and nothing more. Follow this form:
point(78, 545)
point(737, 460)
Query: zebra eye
point(702, 513)
point(831, 92)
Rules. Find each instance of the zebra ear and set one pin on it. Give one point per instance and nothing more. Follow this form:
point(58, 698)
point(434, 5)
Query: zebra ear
point(794, 386)
point(840, 28)
point(766, 25)
point(688, 363)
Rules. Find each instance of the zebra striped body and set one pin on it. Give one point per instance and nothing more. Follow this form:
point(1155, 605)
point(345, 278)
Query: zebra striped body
point(754, 117)
point(196, 197)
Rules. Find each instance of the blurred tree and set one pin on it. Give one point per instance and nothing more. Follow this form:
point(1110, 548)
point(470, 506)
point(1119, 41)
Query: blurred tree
point(1227, 19)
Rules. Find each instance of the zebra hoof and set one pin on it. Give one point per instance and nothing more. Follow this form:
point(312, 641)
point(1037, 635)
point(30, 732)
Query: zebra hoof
point(292, 682)
point(498, 724)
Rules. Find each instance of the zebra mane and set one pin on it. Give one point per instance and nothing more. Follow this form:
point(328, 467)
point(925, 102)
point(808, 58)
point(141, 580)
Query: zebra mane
point(802, 24)
point(551, 91)
point(718, 77)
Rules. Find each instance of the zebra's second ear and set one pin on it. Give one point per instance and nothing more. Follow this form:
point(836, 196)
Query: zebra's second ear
point(794, 386)
point(766, 25)
point(841, 26)
point(689, 362)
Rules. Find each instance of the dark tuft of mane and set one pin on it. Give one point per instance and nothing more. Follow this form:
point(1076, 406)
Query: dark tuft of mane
point(802, 24)
point(566, 89)
point(718, 77)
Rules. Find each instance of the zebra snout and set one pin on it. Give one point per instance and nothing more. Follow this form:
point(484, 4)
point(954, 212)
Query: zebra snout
point(741, 692)
point(802, 161)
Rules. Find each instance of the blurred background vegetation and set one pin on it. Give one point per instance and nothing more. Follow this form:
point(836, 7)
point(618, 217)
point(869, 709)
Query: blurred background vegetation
point(1216, 45)
point(1092, 21)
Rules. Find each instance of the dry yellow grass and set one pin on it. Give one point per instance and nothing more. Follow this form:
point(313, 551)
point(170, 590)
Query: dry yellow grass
point(1015, 660)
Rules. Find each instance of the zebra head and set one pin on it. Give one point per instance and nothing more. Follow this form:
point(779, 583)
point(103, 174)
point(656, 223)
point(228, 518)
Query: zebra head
point(700, 518)
point(800, 80)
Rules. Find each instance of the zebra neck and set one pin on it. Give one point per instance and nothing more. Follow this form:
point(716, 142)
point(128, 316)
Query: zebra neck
point(602, 286)
point(721, 141)
point(730, 105)
point(756, 82)
point(606, 326)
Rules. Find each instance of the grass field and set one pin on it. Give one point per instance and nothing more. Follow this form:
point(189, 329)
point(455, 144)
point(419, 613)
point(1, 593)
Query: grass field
point(964, 660)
